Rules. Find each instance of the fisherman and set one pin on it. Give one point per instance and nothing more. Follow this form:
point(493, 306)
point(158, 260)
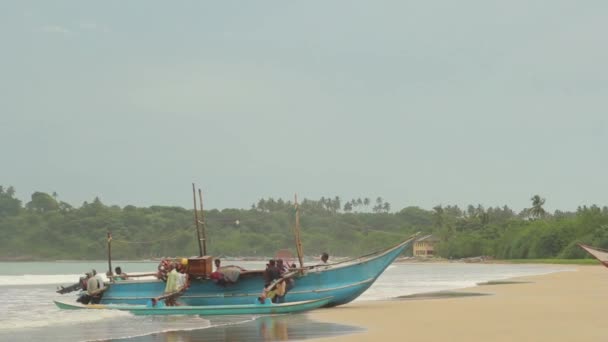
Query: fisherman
point(271, 274)
point(182, 277)
point(281, 266)
point(83, 281)
point(217, 263)
point(97, 277)
point(172, 284)
point(93, 289)
point(218, 278)
point(84, 297)
point(119, 274)
point(289, 282)
point(324, 257)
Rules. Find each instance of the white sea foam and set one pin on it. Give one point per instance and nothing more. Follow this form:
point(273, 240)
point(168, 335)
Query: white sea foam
point(37, 320)
point(36, 279)
point(45, 279)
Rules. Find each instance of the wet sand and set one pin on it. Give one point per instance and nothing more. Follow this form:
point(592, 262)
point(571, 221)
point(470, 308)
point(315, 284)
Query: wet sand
point(565, 306)
point(296, 327)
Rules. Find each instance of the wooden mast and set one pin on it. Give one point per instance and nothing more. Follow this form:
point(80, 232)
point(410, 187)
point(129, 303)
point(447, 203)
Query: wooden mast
point(296, 230)
point(200, 196)
point(110, 252)
point(198, 231)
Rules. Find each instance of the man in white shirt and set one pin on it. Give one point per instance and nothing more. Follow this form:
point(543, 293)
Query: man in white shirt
point(93, 289)
point(100, 283)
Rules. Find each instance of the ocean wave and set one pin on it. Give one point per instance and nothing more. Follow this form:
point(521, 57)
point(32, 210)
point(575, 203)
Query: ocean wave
point(44, 279)
point(37, 279)
point(62, 318)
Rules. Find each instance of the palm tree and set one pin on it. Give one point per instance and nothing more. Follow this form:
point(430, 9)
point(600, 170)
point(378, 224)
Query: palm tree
point(378, 207)
point(336, 204)
point(438, 216)
point(262, 204)
point(537, 210)
point(366, 202)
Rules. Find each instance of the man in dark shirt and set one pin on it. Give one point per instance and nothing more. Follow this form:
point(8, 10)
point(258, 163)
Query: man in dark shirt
point(272, 272)
point(324, 258)
point(281, 266)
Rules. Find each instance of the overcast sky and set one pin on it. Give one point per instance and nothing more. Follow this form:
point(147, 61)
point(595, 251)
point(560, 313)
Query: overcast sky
point(422, 103)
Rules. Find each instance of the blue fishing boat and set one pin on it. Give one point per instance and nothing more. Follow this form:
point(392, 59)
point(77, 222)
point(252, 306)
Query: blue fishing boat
point(343, 282)
point(212, 310)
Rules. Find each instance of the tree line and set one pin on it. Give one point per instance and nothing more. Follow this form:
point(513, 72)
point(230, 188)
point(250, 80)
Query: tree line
point(48, 228)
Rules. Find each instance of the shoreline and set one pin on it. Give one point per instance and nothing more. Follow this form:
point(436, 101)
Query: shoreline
point(558, 306)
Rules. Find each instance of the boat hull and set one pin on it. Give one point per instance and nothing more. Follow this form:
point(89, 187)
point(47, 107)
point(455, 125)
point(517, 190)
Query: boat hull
point(343, 282)
point(214, 310)
point(600, 254)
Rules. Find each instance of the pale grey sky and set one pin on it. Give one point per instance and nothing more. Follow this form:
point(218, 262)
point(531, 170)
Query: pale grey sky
point(422, 103)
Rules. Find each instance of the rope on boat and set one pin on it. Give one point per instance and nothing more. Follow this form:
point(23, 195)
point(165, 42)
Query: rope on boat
point(168, 238)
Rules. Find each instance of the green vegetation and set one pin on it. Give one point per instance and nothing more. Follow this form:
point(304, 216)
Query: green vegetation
point(48, 228)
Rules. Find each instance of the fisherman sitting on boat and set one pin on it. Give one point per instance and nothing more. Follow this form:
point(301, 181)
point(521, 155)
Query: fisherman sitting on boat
point(324, 258)
point(119, 274)
point(324, 262)
point(224, 275)
point(227, 275)
point(218, 278)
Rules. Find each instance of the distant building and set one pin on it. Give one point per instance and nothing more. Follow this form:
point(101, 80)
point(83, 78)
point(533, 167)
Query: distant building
point(425, 246)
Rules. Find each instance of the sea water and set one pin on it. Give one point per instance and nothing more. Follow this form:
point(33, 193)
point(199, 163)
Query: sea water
point(27, 291)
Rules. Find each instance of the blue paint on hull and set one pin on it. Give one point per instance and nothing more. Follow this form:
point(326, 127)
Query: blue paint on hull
point(343, 282)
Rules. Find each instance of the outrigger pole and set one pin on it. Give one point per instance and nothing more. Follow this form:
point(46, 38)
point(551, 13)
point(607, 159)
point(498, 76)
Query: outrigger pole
point(200, 196)
point(296, 231)
point(110, 252)
point(198, 231)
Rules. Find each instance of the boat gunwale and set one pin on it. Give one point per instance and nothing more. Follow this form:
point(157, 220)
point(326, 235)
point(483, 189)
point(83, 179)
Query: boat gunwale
point(142, 307)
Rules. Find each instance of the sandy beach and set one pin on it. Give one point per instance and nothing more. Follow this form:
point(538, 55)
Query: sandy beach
point(564, 306)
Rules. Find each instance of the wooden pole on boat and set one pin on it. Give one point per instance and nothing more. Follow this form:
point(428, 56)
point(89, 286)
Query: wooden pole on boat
point(200, 196)
point(110, 252)
point(296, 230)
point(198, 231)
